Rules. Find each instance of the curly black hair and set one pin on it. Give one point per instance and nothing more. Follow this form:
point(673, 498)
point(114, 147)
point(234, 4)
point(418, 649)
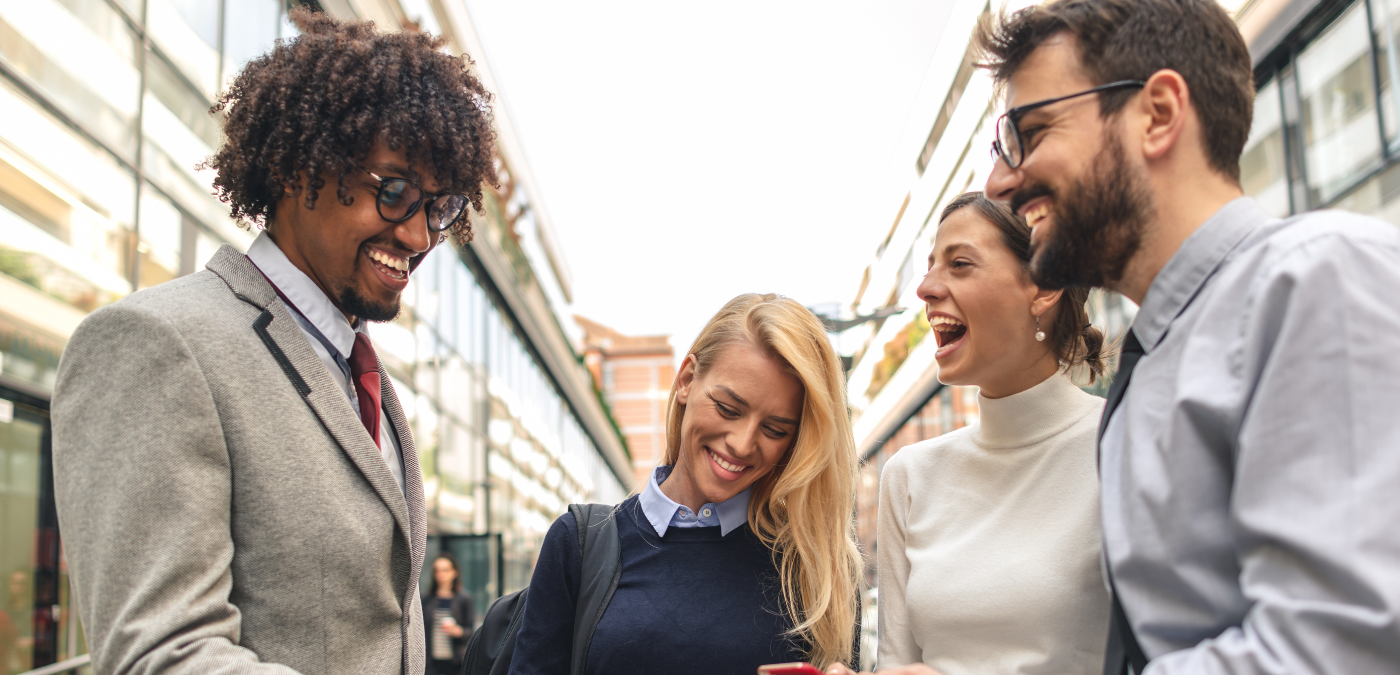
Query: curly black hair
point(316, 104)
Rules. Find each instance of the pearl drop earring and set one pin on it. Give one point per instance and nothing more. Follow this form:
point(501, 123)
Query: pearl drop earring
point(1039, 334)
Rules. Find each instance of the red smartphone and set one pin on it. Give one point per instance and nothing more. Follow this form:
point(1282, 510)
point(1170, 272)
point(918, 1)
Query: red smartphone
point(789, 669)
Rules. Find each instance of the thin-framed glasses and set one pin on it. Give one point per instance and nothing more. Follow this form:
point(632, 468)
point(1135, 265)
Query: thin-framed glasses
point(1008, 144)
point(398, 199)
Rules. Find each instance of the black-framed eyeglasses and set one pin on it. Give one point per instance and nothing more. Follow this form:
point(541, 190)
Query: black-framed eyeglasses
point(1008, 144)
point(398, 199)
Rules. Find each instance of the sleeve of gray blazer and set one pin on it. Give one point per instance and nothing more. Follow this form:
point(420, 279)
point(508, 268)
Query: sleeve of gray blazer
point(143, 487)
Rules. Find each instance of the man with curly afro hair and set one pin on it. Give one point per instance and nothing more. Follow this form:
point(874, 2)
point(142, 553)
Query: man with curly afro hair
point(236, 480)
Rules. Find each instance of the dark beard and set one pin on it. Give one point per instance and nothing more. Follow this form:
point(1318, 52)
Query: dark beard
point(1097, 224)
point(356, 305)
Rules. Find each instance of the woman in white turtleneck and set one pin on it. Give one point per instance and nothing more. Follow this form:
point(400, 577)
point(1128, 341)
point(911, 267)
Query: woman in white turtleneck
point(988, 540)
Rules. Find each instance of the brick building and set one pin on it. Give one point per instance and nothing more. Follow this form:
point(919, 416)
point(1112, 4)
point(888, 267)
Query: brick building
point(635, 374)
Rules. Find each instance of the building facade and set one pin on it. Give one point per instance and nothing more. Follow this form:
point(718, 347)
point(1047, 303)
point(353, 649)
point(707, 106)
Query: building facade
point(103, 119)
point(634, 374)
point(1326, 134)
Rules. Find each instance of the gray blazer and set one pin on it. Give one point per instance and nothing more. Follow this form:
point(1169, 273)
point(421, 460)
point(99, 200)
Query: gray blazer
point(222, 508)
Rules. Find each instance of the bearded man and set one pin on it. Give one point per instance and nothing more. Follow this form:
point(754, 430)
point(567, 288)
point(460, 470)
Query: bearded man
point(1250, 450)
point(236, 480)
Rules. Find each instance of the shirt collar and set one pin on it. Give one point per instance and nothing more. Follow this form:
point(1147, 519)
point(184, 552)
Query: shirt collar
point(310, 301)
point(1186, 272)
point(659, 509)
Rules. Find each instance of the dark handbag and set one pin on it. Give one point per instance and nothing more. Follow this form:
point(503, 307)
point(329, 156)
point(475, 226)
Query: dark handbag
point(493, 644)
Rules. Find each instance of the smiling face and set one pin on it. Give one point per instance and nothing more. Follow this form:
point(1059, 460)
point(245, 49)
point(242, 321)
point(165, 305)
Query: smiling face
point(1086, 204)
point(982, 307)
point(361, 261)
point(740, 418)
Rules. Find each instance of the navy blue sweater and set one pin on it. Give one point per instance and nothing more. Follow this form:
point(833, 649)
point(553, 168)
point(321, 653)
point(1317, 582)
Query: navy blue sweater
point(692, 603)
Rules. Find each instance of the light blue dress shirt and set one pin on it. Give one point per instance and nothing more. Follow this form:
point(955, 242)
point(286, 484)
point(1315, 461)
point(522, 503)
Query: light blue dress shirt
point(1251, 474)
point(663, 513)
point(326, 329)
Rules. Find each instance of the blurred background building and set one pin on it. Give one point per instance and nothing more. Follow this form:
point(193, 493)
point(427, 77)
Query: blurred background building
point(1326, 134)
point(634, 375)
point(103, 118)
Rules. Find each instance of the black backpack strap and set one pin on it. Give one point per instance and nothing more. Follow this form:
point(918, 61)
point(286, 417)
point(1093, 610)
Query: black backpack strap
point(602, 566)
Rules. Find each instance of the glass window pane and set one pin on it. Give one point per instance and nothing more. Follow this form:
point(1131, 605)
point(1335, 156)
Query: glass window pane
point(82, 56)
point(1340, 129)
point(161, 227)
point(250, 28)
point(187, 31)
point(1386, 15)
point(1262, 169)
point(66, 209)
point(20, 448)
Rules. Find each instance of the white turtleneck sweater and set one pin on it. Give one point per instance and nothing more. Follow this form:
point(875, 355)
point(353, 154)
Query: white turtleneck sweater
point(989, 541)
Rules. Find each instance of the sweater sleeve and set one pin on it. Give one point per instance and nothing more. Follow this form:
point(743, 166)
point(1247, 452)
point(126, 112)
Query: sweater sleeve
point(897, 644)
point(544, 645)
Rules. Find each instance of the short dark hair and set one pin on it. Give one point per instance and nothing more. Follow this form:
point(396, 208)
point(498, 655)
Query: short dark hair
point(317, 103)
point(1073, 340)
point(1131, 40)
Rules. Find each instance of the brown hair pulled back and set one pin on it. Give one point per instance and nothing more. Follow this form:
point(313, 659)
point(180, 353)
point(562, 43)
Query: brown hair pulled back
point(315, 104)
point(1131, 40)
point(1072, 339)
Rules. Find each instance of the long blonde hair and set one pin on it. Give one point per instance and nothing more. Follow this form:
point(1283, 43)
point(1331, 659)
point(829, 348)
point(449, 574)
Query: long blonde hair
point(802, 509)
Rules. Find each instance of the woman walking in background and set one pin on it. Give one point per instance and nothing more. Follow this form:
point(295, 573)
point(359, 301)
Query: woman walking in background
point(447, 618)
point(740, 551)
point(988, 538)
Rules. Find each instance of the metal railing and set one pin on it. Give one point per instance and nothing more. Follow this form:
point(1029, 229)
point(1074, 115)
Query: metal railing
point(62, 666)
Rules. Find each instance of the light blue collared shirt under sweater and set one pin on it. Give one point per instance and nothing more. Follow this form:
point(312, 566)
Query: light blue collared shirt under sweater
point(663, 513)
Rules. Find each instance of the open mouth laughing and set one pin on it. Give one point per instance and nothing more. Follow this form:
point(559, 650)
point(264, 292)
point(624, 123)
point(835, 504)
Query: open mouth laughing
point(1036, 212)
point(948, 331)
point(391, 268)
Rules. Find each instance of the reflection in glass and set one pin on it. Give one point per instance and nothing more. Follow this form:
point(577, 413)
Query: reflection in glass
point(1262, 169)
point(20, 440)
point(161, 228)
point(1340, 128)
point(1386, 16)
point(250, 28)
point(65, 209)
point(82, 57)
point(187, 31)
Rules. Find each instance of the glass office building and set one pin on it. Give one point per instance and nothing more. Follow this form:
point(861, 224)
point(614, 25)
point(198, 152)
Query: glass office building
point(103, 121)
point(1326, 128)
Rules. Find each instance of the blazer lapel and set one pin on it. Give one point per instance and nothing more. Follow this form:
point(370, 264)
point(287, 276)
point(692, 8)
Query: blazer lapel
point(412, 472)
point(282, 336)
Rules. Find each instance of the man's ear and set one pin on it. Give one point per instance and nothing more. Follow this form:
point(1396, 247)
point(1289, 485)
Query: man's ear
point(1165, 104)
point(685, 378)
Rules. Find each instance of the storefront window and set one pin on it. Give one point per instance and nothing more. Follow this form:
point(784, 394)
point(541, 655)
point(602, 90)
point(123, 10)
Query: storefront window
point(1263, 171)
point(1340, 128)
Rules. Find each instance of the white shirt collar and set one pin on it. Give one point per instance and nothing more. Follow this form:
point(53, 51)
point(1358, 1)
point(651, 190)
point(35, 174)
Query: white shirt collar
point(660, 510)
point(310, 301)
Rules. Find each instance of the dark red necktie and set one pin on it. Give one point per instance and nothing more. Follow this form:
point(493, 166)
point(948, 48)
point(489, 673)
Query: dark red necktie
point(364, 370)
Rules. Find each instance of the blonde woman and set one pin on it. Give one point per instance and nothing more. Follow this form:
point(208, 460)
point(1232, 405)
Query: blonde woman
point(739, 551)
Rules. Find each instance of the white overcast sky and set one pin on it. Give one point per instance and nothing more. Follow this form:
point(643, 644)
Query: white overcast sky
point(691, 151)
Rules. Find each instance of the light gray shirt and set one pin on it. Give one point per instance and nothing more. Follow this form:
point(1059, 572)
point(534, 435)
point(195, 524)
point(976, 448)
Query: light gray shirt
point(1251, 474)
point(327, 329)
